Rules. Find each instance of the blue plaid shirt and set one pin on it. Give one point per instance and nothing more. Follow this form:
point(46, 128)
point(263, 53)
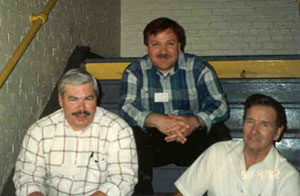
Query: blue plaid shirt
point(192, 88)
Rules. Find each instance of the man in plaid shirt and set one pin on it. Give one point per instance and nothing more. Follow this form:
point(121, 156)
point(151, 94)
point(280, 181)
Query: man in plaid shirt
point(80, 149)
point(173, 100)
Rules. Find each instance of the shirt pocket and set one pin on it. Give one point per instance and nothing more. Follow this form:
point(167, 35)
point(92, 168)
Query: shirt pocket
point(144, 97)
point(95, 169)
point(144, 93)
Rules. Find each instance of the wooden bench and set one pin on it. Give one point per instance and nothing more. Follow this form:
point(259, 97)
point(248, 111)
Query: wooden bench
point(276, 76)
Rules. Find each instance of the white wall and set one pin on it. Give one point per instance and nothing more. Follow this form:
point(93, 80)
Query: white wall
point(217, 27)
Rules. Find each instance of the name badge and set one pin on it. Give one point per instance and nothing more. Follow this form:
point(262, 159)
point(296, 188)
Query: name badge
point(68, 170)
point(161, 97)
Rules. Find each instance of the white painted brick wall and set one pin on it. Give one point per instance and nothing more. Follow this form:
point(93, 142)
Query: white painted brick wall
point(27, 90)
point(217, 27)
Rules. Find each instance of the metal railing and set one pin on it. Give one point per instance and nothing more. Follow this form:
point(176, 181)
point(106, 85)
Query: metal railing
point(37, 21)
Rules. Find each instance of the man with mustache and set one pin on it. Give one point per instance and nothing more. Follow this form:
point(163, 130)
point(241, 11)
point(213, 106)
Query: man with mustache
point(249, 167)
point(80, 149)
point(173, 101)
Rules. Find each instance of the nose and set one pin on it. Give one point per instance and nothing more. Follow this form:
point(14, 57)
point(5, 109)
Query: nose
point(254, 128)
point(81, 106)
point(163, 48)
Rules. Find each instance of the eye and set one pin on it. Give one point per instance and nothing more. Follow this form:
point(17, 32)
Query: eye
point(154, 44)
point(248, 121)
point(72, 98)
point(90, 98)
point(171, 43)
point(266, 124)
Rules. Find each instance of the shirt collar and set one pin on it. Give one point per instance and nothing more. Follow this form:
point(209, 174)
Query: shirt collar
point(236, 148)
point(269, 160)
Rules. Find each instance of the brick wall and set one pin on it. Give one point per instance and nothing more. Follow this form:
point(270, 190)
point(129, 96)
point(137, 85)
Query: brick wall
point(217, 27)
point(24, 95)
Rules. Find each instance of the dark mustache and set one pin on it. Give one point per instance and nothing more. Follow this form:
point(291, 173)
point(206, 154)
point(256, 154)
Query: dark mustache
point(166, 56)
point(81, 112)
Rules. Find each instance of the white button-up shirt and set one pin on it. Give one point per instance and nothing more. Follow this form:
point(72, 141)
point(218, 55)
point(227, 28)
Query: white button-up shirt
point(221, 171)
point(55, 160)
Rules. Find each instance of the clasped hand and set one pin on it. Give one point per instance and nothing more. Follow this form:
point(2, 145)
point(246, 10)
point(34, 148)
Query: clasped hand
point(177, 128)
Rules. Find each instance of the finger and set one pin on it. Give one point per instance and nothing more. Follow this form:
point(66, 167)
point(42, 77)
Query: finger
point(183, 124)
point(174, 128)
point(181, 138)
point(175, 138)
point(178, 127)
point(173, 116)
point(178, 136)
point(170, 138)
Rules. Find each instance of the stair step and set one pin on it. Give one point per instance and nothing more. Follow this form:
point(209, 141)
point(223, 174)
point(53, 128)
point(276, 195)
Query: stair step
point(164, 178)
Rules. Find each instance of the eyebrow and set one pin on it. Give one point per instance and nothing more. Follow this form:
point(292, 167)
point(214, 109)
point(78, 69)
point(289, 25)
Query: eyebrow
point(264, 121)
point(89, 96)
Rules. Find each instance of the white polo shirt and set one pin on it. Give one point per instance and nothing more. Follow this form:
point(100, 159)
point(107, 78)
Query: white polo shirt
point(221, 171)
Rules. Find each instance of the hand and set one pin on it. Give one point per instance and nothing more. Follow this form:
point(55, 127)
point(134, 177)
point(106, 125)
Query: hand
point(168, 126)
point(98, 193)
point(36, 194)
point(163, 123)
point(178, 194)
point(178, 132)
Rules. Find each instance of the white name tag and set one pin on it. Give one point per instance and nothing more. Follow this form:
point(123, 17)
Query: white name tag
point(161, 97)
point(68, 170)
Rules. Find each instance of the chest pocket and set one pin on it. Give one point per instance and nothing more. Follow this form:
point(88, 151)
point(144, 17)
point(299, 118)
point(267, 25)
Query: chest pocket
point(95, 167)
point(146, 96)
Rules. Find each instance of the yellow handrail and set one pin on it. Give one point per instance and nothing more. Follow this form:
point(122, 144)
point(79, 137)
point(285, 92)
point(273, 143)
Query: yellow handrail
point(37, 21)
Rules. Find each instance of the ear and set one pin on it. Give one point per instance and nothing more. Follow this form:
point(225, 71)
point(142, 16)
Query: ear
point(278, 133)
point(60, 100)
point(179, 47)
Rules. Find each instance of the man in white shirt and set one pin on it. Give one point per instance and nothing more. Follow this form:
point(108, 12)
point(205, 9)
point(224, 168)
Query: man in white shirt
point(252, 167)
point(80, 149)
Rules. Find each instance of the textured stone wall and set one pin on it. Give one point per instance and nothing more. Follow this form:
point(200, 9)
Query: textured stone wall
point(27, 90)
point(217, 27)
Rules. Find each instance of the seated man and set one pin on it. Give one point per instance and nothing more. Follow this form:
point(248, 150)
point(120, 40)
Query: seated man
point(80, 149)
point(173, 100)
point(250, 167)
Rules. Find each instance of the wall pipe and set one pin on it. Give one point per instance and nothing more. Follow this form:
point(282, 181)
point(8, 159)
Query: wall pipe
point(37, 21)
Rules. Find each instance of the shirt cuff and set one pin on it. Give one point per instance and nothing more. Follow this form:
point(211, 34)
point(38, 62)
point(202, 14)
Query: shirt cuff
point(141, 118)
point(205, 119)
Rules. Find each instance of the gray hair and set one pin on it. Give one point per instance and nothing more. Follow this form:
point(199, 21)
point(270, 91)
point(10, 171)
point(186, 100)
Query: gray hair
point(76, 77)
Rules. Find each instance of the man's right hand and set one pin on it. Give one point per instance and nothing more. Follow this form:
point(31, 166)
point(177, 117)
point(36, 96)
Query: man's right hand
point(36, 194)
